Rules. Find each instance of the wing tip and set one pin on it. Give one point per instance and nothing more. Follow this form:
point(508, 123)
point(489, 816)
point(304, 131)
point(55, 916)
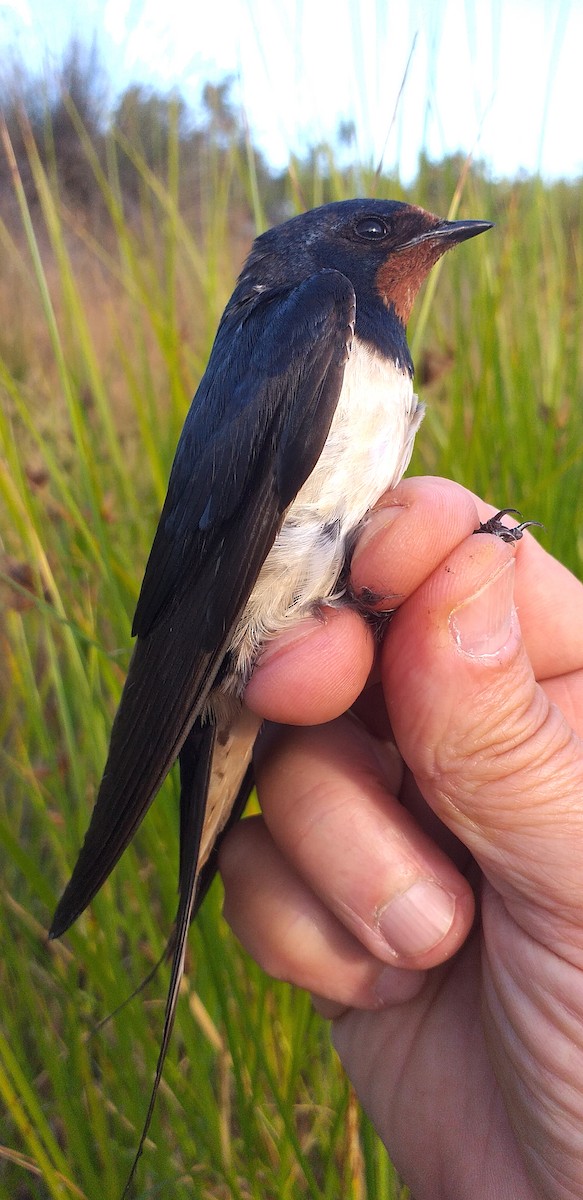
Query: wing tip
point(63, 918)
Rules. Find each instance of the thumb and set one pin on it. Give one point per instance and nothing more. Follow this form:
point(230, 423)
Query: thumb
point(492, 756)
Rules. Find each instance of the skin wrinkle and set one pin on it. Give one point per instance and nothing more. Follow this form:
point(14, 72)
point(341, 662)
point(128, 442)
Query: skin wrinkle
point(514, 769)
point(487, 735)
point(505, 758)
point(304, 832)
point(527, 1089)
point(539, 1044)
point(549, 925)
point(550, 946)
point(401, 1048)
point(560, 691)
point(315, 814)
point(523, 1084)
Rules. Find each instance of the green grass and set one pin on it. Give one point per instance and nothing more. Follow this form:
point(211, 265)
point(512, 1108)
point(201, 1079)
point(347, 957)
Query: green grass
point(95, 379)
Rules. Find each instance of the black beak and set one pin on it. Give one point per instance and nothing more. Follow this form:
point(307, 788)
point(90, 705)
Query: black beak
point(456, 231)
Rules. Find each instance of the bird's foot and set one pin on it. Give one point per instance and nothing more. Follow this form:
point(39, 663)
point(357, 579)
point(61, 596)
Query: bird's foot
point(376, 608)
point(494, 525)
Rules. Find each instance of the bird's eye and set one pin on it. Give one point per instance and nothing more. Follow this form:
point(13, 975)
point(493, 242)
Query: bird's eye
point(371, 228)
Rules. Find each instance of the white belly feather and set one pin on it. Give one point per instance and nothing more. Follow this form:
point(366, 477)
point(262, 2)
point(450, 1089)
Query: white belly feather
point(367, 451)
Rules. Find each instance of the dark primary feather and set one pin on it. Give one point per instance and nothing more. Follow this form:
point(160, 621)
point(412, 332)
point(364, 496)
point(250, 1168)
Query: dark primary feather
point(254, 432)
point(196, 758)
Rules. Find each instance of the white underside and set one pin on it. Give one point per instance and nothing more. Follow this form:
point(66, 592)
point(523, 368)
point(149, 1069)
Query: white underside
point(367, 451)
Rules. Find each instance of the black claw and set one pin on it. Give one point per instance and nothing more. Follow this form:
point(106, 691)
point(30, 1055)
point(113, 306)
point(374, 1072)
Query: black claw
point(494, 525)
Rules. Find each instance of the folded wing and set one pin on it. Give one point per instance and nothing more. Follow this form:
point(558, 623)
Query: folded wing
point(252, 436)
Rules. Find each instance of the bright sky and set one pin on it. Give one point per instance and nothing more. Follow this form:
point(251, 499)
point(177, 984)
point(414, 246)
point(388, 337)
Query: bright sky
point(500, 77)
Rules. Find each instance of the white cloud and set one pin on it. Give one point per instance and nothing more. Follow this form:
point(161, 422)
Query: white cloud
point(17, 8)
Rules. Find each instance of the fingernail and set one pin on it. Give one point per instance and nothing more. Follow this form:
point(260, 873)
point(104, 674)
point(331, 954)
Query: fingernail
point(374, 524)
point(482, 625)
point(418, 919)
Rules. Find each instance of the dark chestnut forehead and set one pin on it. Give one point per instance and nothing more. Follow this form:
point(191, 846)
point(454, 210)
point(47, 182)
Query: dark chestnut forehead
point(411, 220)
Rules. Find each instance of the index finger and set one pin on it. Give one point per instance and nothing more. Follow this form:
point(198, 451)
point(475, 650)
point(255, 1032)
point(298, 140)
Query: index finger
point(393, 555)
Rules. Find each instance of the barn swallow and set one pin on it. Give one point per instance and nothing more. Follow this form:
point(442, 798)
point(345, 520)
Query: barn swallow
point(304, 417)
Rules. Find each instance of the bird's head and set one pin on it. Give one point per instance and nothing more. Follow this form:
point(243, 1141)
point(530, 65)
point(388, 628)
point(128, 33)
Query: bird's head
point(386, 248)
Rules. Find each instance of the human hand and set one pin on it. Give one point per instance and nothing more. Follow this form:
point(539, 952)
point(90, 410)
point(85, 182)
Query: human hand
point(463, 1036)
